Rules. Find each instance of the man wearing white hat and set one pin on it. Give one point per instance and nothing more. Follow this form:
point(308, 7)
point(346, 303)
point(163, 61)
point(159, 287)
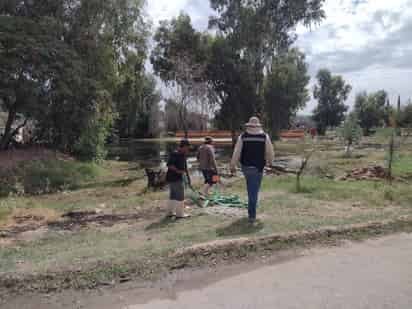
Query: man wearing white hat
point(254, 150)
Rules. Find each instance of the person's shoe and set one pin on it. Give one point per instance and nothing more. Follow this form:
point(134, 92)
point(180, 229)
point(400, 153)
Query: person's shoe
point(184, 216)
point(171, 208)
point(252, 221)
point(180, 211)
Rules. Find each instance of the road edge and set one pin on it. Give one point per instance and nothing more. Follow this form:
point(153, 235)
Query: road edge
point(205, 254)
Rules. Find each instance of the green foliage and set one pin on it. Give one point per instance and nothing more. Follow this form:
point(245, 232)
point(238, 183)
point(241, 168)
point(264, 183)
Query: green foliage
point(91, 144)
point(285, 89)
point(388, 194)
point(40, 177)
point(177, 39)
point(260, 30)
point(403, 165)
point(405, 117)
point(331, 93)
point(233, 62)
point(180, 59)
point(232, 83)
point(31, 57)
point(92, 141)
point(371, 110)
point(136, 99)
point(62, 62)
point(350, 132)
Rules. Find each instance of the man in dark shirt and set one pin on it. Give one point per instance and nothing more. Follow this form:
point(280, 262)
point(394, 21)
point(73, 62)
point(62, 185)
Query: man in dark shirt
point(177, 168)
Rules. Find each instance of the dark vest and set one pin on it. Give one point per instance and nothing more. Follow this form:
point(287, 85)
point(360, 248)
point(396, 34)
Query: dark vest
point(253, 150)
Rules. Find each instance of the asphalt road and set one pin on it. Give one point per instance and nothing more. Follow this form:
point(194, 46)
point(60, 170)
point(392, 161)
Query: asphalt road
point(374, 274)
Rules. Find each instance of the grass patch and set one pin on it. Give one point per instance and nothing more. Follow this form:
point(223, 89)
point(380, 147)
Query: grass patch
point(403, 165)
point(4, 212)
point(40, 177)
point(369, 192)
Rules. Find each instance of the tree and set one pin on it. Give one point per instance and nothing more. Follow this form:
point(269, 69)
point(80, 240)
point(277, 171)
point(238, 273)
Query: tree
point(260, 30)
point(371, 110)
point(331, 93)
point(70, 52)
point(173, 40)
point(189, 89)
point(31, 57)
point(232, 84)
point(350, 132)
point(405, 118)
point(137, 99)
point(285, 89)
point(179, 59)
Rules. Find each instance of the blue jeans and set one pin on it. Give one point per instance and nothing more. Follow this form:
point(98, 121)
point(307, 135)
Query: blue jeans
point(253, 181)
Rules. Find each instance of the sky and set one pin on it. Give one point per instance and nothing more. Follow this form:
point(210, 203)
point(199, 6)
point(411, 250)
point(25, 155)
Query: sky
point(368, 42)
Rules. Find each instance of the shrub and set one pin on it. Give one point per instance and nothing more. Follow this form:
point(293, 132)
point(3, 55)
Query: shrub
point(91, 145)
point(46, 176)
point(350, 132)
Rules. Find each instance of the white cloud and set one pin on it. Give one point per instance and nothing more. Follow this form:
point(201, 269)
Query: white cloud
point(167, 9)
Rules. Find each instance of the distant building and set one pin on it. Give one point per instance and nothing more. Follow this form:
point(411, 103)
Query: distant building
point(303, 122)
point(24, 135)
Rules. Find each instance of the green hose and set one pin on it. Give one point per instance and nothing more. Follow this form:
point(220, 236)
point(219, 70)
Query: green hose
point(216, 199)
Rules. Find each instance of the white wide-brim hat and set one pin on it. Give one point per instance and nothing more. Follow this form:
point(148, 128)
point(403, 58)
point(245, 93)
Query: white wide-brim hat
point(254, 122)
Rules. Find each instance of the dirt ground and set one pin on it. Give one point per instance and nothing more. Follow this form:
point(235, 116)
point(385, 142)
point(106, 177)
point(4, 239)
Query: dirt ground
point(10, 158)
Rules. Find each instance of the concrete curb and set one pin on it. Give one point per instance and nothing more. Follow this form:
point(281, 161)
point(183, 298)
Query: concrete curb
point(305, 238)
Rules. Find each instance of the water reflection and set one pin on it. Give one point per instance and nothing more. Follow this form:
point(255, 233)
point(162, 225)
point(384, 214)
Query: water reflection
point(155, 153)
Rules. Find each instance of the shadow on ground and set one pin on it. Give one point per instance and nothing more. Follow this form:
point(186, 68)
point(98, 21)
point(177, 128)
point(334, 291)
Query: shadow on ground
point(240, 227)
point(164, 222)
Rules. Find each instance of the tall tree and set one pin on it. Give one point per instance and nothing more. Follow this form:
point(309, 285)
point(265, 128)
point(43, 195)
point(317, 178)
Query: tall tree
point(331, 93)
point(286, 89)
point(77, 98)
point(179, 59)
point(371, 110)
point(405, 119)
point(32, 57)
point(260, 29)
point(229, 77)
point(176, 39)
point(136, 98)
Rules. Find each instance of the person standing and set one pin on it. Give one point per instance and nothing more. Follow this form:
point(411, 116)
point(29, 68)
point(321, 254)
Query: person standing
point(176, 172)
point(254, 150)
point(207, 162)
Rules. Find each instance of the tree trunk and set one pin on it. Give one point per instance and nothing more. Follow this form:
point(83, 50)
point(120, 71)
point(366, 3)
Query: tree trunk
point(390, 159)
point(349, 149)
point(298, 187)
point(5, 140)
point(233, 138)
point(233, 133)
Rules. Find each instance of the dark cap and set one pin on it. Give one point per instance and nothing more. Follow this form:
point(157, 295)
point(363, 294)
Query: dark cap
point(184, 143)
point(208, 139)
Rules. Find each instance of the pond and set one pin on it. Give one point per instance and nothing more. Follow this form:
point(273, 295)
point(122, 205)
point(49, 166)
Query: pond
point(154, 153)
